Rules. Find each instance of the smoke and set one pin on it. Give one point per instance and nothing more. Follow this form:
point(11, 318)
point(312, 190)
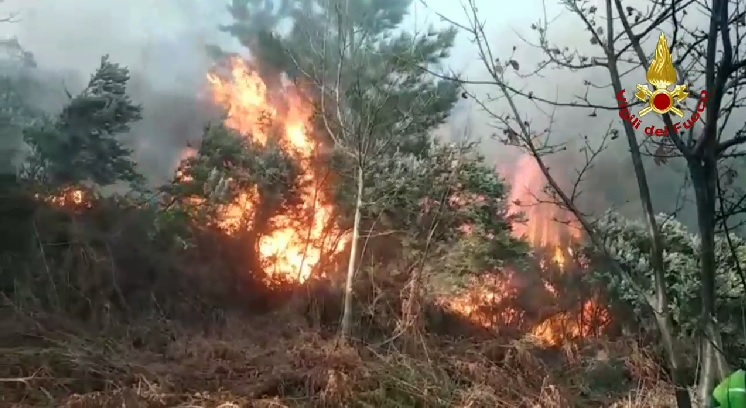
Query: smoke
point(163, 43)
point(611, 181)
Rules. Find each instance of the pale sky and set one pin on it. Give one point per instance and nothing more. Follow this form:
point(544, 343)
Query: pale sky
point(166, 34)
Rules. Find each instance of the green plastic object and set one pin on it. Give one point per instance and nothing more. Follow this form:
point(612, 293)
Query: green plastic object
point(731, 392)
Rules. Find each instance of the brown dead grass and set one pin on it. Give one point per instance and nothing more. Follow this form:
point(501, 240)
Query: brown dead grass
point(282, 359)
point(275, 361)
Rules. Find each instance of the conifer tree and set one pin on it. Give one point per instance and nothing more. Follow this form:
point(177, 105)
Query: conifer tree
point(81, 144)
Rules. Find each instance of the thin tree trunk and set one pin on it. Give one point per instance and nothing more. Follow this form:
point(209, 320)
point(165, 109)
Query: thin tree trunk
point(713, 362)
point(662, 313)
point(352, 263)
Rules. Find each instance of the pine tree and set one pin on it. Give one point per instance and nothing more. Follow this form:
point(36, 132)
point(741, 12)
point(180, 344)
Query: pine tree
point(81, 144)
point(391, 55)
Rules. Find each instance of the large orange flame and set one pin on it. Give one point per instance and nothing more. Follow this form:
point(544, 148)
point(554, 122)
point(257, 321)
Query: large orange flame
point(547, 228)
point(296, 245)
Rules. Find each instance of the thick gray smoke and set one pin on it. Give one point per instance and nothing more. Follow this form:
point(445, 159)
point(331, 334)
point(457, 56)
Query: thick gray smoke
point(163, 44)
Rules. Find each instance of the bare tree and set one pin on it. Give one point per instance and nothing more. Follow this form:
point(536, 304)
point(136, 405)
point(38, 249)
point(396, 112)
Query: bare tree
point(703, 150)
point(708, 59)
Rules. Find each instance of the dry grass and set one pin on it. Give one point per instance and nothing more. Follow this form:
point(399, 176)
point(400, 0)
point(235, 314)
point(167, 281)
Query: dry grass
point(274, 361)
point(84, 352)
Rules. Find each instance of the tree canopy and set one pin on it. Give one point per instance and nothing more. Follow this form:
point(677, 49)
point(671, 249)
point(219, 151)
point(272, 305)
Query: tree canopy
point(388, 57)
point(81, 143)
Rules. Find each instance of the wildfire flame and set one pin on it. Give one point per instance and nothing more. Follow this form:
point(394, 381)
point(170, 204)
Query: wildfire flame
point(485, 304)
point(547, 225)
point(70, 198)
point(548, 228)
point(590, 321)
point(296, 245)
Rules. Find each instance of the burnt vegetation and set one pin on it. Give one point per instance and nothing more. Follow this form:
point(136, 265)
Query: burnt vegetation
point(319, 247)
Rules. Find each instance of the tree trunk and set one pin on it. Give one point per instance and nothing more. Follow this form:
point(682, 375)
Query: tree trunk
point(713, 362)
point(661, 311)
point(352, 263)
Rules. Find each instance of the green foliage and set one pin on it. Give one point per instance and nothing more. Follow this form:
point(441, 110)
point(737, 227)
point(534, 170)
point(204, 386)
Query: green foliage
point(452, 198)
point(80, 144)
point(385, 88)
point(228, 164)
point(629, 242)
point(391, 105)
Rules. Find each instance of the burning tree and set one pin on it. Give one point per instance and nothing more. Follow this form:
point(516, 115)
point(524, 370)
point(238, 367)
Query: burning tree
point(237, 186)
point(367, 111)
point(618, 48)
point(260, 170)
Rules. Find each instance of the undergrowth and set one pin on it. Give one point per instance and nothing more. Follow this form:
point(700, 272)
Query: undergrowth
point(96, 313)
point(277, 360)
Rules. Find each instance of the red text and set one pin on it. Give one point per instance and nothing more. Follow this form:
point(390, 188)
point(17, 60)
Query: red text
point(664, 131)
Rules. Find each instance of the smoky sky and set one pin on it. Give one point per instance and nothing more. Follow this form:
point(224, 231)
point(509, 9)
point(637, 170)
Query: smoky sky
point(611, 181)
point(163, 43)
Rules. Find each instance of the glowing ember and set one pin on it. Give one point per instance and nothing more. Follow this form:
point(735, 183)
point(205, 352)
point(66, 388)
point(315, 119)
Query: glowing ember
point(296, 245)
point(67, 198)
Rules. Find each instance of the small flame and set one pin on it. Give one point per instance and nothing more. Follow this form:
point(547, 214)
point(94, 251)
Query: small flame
point(487, 294)
point(662, 73)
point(67, 198)
point(559, 257)
point(591, 320)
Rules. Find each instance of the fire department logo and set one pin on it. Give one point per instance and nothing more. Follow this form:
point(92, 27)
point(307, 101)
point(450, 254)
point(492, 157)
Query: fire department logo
point(665, 97)
point(662, 76)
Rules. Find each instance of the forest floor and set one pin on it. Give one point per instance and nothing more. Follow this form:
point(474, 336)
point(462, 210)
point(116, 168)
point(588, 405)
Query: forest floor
point(278, 360)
